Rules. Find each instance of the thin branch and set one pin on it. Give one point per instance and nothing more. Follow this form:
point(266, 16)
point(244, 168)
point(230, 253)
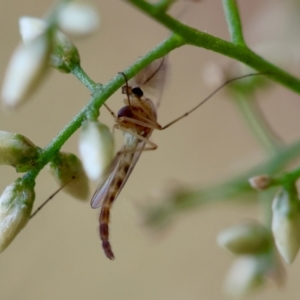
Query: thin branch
point(234, 22)
point(78, 72)
point(257, 125)
point(164, 5)
point(186, 199)
point(204, 40)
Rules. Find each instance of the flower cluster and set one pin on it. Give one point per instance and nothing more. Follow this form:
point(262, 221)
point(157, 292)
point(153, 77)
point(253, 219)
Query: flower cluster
point(45, 43)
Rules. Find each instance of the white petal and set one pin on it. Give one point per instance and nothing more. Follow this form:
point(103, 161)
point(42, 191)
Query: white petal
point(31, 28)
point(96, 149)
point(243, 277)
point(26, 67)
point(286, 225)
point(78, 19)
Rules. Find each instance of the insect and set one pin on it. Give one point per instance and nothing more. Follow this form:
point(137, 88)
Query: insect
point(137, 119)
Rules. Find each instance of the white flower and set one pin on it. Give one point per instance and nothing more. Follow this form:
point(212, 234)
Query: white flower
point(68, 171)
point(244, 276)
point(78, 19)
point(286, 225)
point(96, 147)
point(25, 70)
point(63, 54)
point(18, 151)
point(15, 207)
point(30, 28)
point(247, 238)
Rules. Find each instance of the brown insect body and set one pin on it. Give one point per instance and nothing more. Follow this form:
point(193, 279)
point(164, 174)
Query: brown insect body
point(136, 120)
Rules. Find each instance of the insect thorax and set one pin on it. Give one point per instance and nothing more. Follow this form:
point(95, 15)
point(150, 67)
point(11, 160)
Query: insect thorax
point(141, 110)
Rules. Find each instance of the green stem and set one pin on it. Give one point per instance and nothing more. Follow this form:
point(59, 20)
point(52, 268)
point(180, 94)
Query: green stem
point(259, 128)
point(164, 4)
point(234, 22)
point(238, 52)
point(100, 95)
point(187, 199)
point(78, 72)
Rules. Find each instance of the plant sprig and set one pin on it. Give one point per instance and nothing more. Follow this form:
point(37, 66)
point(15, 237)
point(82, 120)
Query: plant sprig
point(237, 51)
point(181, 199)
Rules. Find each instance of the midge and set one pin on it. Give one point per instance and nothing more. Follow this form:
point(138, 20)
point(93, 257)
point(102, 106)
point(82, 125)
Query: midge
point(137, 119)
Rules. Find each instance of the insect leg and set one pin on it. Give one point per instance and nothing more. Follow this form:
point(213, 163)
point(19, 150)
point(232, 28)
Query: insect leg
point(111, 111)
point(152, 147)
point(148, 123)
point(47, 200)
point(208, 97)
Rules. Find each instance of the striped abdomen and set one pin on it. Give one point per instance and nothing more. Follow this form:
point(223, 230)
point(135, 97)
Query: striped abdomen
point(108, 201)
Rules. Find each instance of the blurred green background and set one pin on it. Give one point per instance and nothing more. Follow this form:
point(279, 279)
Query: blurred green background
point(59, 255)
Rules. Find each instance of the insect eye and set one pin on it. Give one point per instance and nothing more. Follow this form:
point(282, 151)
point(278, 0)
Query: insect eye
point(137, 91)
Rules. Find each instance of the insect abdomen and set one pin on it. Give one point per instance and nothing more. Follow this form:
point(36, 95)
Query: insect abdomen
point(105, 211)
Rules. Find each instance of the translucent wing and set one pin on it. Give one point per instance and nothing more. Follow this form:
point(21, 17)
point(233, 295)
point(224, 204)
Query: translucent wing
point(152, 79)
point(135, 159)
point(103, 187)
point(102, 190)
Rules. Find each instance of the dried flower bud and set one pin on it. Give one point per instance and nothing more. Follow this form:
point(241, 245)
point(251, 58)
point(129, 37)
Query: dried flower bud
point(96, 146)
point(248, 238)
point(67, 170)
point(244, 276)
point(17, 151)
point(260, 182)
point(286, 224)
point(26, 69)
point(78, 19)
point(15, 208)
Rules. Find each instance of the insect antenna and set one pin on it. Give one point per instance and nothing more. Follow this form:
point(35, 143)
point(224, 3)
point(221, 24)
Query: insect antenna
point(210, 95)
point(48, 199)
point(126, 90)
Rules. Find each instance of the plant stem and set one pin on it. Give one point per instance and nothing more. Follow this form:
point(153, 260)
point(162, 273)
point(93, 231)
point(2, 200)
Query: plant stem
point(78, 72)
point(257, 125)
point(164, 4)
point(238, 52)
point(187, 199)
point(234, 22)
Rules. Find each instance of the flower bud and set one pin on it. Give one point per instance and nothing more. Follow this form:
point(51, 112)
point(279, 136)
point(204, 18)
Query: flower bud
point(67, 170)
point(250, 272)
point(244, 276)
point(78, 19)
point(248, 238)
point(64, 53)
point(17, 151)
point(96, 146)
point(31, 28)
point(286, 224)
point(26, 68)
point(260, 182)
point(15, 208)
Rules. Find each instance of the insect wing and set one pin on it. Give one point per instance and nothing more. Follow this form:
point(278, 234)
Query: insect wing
point(152, 79)
point(135, 159)
point(103, 187)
